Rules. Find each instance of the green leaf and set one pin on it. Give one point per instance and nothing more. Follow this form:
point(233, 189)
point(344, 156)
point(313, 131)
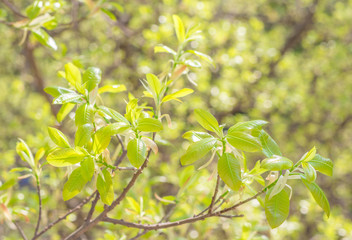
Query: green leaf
point(105, 187)
point(102, 139)
point(163, 48)
point(66, 157)
point(136, 152)
point(44, 38)
point(270, 147)
point(64, 111)
point(33, 10)
point(198, 150)
point(68, 98)
point(113, 114)
point(321, 164)
point(74, 185)
point(318, 195)
point(108, 13)
point(249, 125)
point(112, 88)
point(276, 163)
point(84, 114)
point(87, 169)
point(207, 121)
point(83, 134)
point(308, 155)
point(193, 63)
point(57, 91)
point(243, 141)
point(91, 78)
point(229, 170)
point(149, 125)
point(196, 136)
point(39, 154)
point(154, 84)
point(179, 28)
point(58, 137)
point(309, 172)
point(6, 185)
point(73, 76)
point(277, 208)
point(203, 56)
point(178, 94)
point(25, 153)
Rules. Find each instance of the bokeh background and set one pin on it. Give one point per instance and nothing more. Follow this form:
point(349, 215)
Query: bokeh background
point(287, 62)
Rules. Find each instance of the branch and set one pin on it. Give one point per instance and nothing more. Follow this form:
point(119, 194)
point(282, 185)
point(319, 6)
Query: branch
point(20, 230)
point(79, 206)
point(40, 208)
point(13, 9)
point(124, 151)
point(215, 193)
point(126, 168)
point(92, 208)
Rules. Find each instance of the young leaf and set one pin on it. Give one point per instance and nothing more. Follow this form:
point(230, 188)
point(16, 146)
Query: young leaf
point(249, 125)
point(318, 195)
point(309, 172)
point(276, 163)
point(196, 136)
point(66, 157)
point(198, 150)
point(178, 94)
point(102, 139)
point(68, 98)
point(270, 147)
point(207, 121)
point(44, 38)
point(58, 137)
point(112, 89)
point(113, 114)
point(74, 185)
point(64, 111)
point(277, 208)
point(136, 152)
point(163, 48)
point(25, 153)
point(73, 75)
point(308, 155)
point(202, 56)
point(105, 187)
point(229, 170)
point(321, 164)
point(149, 125)
point(154, 84)
point(179, 28)
point(87, 169)
point(91, 78)
point(84, 114)
point(83, 134)
point(57, 91)
point(243, 141)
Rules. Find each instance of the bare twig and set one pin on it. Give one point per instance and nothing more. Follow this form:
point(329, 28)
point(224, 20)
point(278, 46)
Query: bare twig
point(214, 195)
point(92, 208)
point(13, 8)
point(40, 208)
point(124, 151)
point(126, 168)
point(79, 206)
point(20, 230)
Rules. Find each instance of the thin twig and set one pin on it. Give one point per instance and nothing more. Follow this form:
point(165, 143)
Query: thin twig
point(79, 206)
point(92, 208)
point(40, 208)
point(13, 8)
point(124, 151)
point(126, 168)
point(20, 231)
point(215, 194)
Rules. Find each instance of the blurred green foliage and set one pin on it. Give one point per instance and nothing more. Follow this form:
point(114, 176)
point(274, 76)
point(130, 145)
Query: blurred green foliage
point(287, 62)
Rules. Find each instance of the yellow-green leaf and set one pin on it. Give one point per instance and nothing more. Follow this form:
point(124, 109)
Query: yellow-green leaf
point(178, 94)
point(179, 28)
point(58, 137)
point(229, 170)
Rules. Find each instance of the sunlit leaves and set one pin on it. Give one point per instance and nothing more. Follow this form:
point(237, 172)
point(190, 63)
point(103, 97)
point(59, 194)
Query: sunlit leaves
point(309, 172)
point(74, 185)
point(44, 38)
point(277, 208)
point(243, 141)
point(136, 152)
point(84, 114)
point(83, 134)
point(113, 114)
point(198, 150)
point(318, 195)
point(149, 125)
point(309, 155)
point(57, 91)
point(64, 111)
point(229, 170)
point(68, 98)
point(203, 56)
point(91, 78)
point(102, 137)
point(196, 136)
point(270, 147)
point(207, 121)
point(321, 164)
point(276, 163)
point(66, 157)
point(73, 76)
point(162, 48)
point(58, 137)
point(25, 153)
point(105, 187)
point(112, 88)
point(178, 94)
point(154, 84)
point(179, 28)
point(249, 125)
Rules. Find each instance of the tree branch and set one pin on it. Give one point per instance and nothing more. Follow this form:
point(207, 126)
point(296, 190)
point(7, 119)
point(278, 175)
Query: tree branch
point(40, 208)
point(215, 193)
point(13, 9)
point(92, 208)
point(20, 230)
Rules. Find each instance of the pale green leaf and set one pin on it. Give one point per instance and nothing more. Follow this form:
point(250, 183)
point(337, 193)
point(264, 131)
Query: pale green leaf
point(149, 125)
point(277, 208)
point(57, 91)
point(87, 168)
point(68, 98)
point(136, 152)
point(207, 121)
point(154, 84)
point(163, 48)
point(196, 136)
point(64, 111)
point(179, 28)
point(249, 125)
point(58, 137)
point(105, 187)
point(25, 153)
point(74, 185)
point(112, 88)
point(44, 38)
point(229, 170)
point(198, 150)
point(203, 56)
point(113, 114)
point(309, 172)
point(243, 141)
point(276, 163)
point(318, 195)
point(84, 114)
point(178, 94)
point(270, 147)
point(83, 134)
point(321, 164)
point(66, 157)
point(91, 78)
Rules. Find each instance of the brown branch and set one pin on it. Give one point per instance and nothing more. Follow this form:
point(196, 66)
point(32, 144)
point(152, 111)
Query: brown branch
point(20, 230)
point(92, 208)
point(124, 151)
point(215, 194)
point(126, 168)
point(40, 208)
point(78, 207)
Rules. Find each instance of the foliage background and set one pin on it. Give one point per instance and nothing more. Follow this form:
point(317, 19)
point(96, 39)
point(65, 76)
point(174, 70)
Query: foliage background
point(287, 62)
